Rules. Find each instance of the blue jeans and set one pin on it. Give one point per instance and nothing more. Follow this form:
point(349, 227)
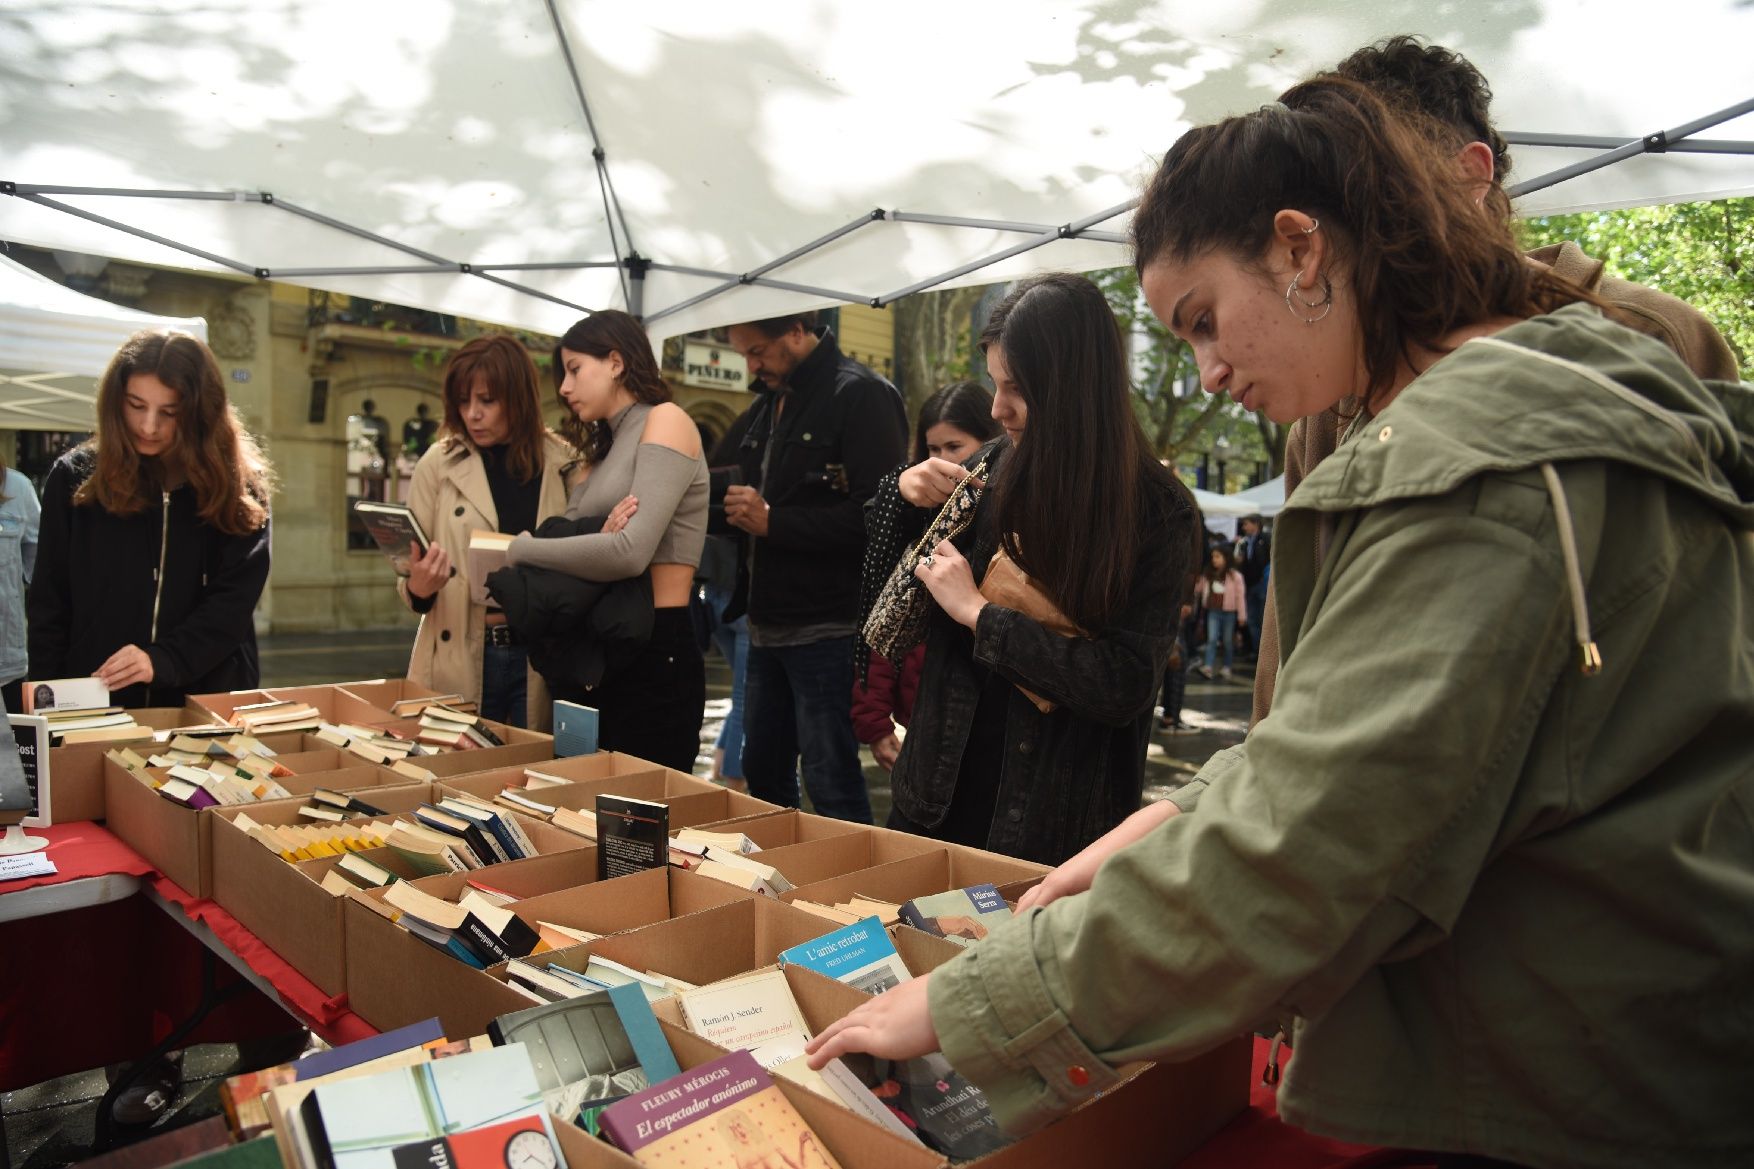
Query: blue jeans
point(505, 682)
point(733, 643)
point(800, 706)
point(1256, 598)
point(1220, 627)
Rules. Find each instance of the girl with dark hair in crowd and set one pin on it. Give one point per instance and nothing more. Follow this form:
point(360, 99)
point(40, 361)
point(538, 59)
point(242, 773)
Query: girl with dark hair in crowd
point(1220, 596)
point(644, 463)
point(1027, 740)
point(1491, 850)
point(494, 467)
point(154, 543)
point(954, 423)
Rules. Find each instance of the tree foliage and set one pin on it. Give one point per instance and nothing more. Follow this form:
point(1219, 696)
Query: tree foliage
point(1702, 253)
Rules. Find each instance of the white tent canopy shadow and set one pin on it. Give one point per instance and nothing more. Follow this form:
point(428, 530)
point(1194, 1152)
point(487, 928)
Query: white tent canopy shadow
point(54, 345)
point(525, 161)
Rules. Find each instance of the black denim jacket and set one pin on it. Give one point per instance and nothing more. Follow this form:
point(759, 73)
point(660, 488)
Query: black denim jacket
point(1071, 775)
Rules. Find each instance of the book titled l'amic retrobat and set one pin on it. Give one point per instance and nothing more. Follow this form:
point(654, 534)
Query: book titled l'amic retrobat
point(396, 531)
point(632, 836)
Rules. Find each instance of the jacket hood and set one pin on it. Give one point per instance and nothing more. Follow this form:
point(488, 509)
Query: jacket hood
point(1561, 387)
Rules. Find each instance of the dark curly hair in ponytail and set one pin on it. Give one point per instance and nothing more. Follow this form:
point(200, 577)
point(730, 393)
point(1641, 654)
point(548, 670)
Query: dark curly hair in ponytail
point(1421, 256)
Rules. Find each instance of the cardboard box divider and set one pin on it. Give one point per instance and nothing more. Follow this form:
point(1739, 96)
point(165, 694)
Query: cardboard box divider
point(920, 951)
point(650, 782)
point(853, 1141)
point(608, 764)
point(692, 801)
point(786, 826)
point(523, 753)
point(730, 939)
point(628, 903)
point(948, 867)
point(283, 903)
point(176, 839)
point(833, 856)
point(332, 703)
point(385, 692)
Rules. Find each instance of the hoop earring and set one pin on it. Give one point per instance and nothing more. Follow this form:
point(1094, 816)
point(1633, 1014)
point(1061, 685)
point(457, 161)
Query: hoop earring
point(1326, 303)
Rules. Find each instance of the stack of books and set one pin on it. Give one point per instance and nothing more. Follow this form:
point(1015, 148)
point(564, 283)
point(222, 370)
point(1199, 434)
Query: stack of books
point(477, 929)
point(276, 717)
point(412, 707)
point(854, 909)
point(554, 981)
point(376, 745)
point(103, 724)
point(450, 729)
point(223, 781)
point(309, 842)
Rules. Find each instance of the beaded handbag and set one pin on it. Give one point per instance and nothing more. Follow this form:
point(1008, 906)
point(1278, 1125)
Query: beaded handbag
point(898, 617)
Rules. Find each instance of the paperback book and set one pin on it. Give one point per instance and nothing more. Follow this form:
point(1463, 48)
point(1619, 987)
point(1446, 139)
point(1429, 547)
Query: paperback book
point(632, 836)
point(860, 955)
point(946, 1112)
point(962, 916)
point(396, 531)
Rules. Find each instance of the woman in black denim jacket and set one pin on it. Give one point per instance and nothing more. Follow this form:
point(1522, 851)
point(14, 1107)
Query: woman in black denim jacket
point(1103, 531)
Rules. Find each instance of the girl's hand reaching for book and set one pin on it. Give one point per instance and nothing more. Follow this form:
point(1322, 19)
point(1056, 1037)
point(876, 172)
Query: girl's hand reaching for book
point(896, 1024)
point(125, 667)
point(429, 572)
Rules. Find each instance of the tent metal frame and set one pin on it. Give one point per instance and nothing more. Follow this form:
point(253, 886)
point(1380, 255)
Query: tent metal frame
point(632, 267)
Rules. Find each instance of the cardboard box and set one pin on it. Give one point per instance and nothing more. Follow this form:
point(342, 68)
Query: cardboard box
point(1163, 1112)
point(76, 772)
point(175, 839)
point(332, 705)
point(854, 1142)
point(947, 867)
point(394, 978)
point(283, 903)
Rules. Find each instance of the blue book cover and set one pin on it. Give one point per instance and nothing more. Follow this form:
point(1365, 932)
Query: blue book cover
point(860, 955)
point(575, 729)
point(353, 1054)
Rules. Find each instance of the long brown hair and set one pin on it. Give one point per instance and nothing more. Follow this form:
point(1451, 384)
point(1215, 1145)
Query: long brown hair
point(231, 478)
point(1071, 500)
point(1424, 259)
point(600, 334)
point(505, 365)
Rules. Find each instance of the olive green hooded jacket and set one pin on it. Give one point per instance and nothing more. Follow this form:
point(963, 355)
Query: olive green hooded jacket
point(1509, 901)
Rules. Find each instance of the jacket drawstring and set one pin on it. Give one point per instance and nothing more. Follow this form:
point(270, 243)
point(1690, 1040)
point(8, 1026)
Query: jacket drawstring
point(1580, 612)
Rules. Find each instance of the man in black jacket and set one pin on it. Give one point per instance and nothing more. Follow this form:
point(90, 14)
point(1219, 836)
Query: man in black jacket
point(823, 430)
point(1254, 552)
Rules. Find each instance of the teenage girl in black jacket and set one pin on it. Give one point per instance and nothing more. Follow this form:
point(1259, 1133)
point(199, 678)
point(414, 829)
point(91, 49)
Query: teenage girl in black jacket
point(154, 544)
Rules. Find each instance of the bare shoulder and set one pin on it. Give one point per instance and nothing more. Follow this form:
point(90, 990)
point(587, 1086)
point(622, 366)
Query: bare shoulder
point(669, 425)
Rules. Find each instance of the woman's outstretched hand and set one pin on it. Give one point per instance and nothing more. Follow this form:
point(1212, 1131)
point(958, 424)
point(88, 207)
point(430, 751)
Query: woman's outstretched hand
point(896, 1024)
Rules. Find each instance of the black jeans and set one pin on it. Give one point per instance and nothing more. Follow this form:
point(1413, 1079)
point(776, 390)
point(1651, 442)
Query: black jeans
point(651, 707)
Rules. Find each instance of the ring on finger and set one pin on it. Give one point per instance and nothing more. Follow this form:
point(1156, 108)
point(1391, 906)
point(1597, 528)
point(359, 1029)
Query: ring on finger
point(926, 560)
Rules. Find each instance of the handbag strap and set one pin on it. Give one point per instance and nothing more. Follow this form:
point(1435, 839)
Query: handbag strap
point(979, 470)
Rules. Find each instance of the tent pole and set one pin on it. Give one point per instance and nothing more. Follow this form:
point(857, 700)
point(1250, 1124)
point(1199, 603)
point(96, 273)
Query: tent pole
point(81, 213)
point(1655, 143)
point(1597, 142)
point(751, 276)
point(1069, 231)
point(350, 229)
point(766, 282)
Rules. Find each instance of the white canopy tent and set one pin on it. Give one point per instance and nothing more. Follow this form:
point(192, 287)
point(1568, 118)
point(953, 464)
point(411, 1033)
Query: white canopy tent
point(525, 161)
point(54, 345)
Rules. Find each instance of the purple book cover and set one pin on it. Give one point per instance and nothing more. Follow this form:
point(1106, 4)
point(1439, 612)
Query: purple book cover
point(672, 1105)
point(199, 798)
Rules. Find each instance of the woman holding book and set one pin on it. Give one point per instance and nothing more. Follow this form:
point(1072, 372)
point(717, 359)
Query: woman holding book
point(643, 458)
point(495, 468)
point(1491, 850)
point(154, 543)
point(953, 424)
point(1036, 697)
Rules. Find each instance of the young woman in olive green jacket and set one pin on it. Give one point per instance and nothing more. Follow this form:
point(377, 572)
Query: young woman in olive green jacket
point(1492, 852)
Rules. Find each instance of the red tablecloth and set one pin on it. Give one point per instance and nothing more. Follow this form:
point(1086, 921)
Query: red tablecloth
point(101, 985)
